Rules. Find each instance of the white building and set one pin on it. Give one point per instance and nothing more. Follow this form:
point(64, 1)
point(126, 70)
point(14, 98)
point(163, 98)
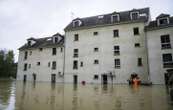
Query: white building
point(42, 59)
point(105, 49)
point(159, 44)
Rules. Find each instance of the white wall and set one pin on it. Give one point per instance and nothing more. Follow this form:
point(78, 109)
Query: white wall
point(155, 52)
point(105, 42)
point(43, 72)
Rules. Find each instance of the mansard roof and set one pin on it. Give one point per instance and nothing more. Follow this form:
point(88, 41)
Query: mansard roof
point(44, 42)
point(153, 24)
point(106, 20)
point(162, 15)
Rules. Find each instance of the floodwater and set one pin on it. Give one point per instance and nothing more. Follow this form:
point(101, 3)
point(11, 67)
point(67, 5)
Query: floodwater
point(46, 96)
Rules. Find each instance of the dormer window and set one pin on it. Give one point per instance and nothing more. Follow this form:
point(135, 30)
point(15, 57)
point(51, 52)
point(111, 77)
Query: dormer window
point(134, 15)
point(115, 18)
point(163, 21)
point(29, 43)
point(77, 23)
point(55, 39)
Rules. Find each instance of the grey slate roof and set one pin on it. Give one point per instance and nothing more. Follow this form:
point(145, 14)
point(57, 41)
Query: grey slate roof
point(153, 25)
point(162, 15)
point(43, 42)
point(124, 18)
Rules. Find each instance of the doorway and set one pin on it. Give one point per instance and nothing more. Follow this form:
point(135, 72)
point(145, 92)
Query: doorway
point(34, 77)
point(24, 78)
point(104, 79)
point(53, 78)
point(75, 79)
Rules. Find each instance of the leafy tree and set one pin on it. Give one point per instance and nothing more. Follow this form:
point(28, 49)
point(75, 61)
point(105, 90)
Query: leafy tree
point(7, 66)
point(2, 54)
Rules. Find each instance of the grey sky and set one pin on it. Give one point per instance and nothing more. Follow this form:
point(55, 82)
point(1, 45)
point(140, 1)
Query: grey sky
point(20, 19)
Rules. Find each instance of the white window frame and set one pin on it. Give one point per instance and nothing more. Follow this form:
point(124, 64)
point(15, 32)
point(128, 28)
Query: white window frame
point(54, 37)
point(79, 23)
point(118, 16)
point(132, 13)
point(158, 20)
point(116, 51)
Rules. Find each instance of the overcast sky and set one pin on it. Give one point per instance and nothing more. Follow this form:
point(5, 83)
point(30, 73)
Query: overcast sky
point(21, 19)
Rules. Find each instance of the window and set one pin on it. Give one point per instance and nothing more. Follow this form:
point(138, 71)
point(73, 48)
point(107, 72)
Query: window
point(136, 31)
point(76, 37)
point(61, 49)
point(163, 21)
point(96, 49)
point(26, 55)
point(95, 33)
point(38, 63)
point(167, 57)
point(55, 39)
point(53, 51)
point(41, 49)
point(116, 33)
point(116, 50)
point(167, 60)
point(137, 44)
point(25, 67)
point(165, 42)
point(29, 43)
point(48, 64)
point(96, 61)
point(77, 23)
point(54, 65)
point(134, 15)
point(96, 77)
point(75, 64)
point(117, 63)
point(75, 51)
point(81, 64)
point(139, 61)
point(29, 66)
point(115, 18)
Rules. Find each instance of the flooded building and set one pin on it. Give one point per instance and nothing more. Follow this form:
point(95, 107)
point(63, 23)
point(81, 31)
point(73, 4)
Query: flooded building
point(42, 59)
point(107, 48)
point(159, 42)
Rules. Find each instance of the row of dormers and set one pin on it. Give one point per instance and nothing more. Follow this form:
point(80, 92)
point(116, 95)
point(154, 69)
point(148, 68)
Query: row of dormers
point(162, 19)
point(54, 39)
point(115, 17)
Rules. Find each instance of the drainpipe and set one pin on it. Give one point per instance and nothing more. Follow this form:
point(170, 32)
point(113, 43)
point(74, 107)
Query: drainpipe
point(64, 58)
point(146, 43)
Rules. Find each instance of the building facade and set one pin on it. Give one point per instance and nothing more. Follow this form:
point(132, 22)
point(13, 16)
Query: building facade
point(105, 49)
point(42, 59)
point(159, 45)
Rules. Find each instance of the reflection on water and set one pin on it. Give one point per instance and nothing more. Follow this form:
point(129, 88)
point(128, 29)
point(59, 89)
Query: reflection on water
point(7, 95)
point(46, 96)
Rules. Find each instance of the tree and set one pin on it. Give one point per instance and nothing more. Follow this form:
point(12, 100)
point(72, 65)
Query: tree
point(7, 66)
point(2, 54)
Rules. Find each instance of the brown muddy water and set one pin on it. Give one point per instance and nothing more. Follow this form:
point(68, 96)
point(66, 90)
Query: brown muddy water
point(46, 96)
